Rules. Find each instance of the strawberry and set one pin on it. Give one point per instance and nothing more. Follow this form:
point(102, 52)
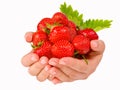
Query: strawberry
point(60, 18)
point(44, 50)
point(59, 33)
point(72, 28)
point(66, 34)
point(43, 25)
point(71, 25)
point(90, 33)
point(62, 48)
point(38, 37)
point(81, 44)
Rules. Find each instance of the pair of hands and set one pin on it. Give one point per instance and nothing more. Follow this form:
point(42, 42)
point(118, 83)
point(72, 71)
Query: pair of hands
point(66, 69)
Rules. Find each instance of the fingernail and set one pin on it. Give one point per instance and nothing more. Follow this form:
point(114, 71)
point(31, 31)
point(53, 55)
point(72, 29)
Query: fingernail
point(52, 63)
point(51, 76)
point(62, 62)
point(28, 36)
point(95, 44)
point(52, 72)
point(55, 81)
point(43, 61)
point(34, 57)
point(46, 68)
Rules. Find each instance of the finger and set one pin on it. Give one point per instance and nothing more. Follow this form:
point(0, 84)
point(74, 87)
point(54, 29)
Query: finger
point(38, 66)
point(75, 64)
point(43, 75)
point(71, 73)
point(56, 81)
point(28, 36)
point(59, 74)
point(54, 61)
point(98, 47)
point(95, 56)
point(29, 59)
point(51, 77)
point(79, 65)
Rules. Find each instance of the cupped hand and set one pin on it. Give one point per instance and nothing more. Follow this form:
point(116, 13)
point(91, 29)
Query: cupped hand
point(66, 69)
point(69, 69)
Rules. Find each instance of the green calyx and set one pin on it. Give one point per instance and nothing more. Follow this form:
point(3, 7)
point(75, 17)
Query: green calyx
point(37, 46)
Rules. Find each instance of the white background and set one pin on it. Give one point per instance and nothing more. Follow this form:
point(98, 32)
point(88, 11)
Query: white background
point(20, 16)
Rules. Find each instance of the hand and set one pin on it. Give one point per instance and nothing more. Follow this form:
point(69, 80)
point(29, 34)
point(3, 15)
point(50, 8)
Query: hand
point(37, 66)
point(69, 69)
point(66, 69)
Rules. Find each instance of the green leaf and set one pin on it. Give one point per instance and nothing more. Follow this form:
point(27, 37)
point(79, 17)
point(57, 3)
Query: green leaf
point(72, 15)
point(97, 24)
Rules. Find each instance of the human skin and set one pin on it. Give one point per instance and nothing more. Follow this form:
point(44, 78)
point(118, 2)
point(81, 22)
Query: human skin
point(66, 69)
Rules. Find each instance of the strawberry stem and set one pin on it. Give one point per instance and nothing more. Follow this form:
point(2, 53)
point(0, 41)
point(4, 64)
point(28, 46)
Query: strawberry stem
point(75, 53)
point(86, 61)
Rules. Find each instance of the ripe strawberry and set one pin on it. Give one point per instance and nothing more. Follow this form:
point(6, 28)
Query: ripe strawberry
point(62, 48)
point(44, 50)
point(60, 18)
point(59, 33)
point(38, 37)
point(81, 44)
point(71, 25)
point(43, 25)
point(72, 28)
point(90, 33)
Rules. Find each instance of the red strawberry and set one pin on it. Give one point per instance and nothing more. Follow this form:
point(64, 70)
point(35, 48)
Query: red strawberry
point(38, 37)
point(60, 18)
point(43, 25)
point(72, 28)
point(59, 33)
point(44, 50)
point(81, 44)
point(90, 33)
point(62, 48)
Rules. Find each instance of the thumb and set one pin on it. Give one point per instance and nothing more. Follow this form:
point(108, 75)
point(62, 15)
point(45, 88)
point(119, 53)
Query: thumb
point(28, 36)
point(97, 47)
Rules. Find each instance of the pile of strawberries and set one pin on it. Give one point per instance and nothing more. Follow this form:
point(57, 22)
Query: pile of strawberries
point(59, 37)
